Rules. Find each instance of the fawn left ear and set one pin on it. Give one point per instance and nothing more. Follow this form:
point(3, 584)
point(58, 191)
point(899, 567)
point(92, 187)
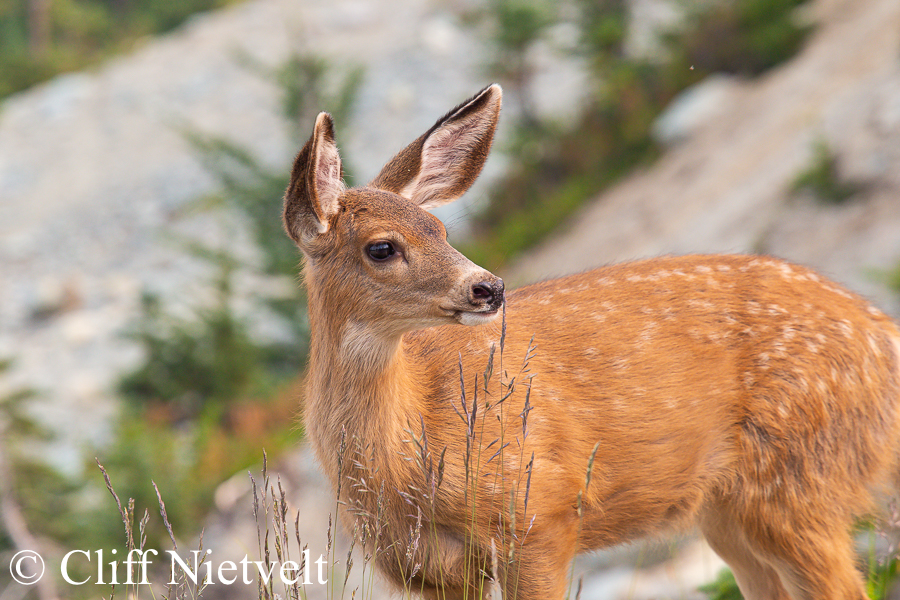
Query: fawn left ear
point(312, 197)
point(444, 162)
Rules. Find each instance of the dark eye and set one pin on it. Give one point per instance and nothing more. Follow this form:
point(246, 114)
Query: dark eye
point(381, 250)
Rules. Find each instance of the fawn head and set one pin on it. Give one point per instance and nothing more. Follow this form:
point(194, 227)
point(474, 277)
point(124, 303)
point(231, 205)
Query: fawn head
point(374, 255)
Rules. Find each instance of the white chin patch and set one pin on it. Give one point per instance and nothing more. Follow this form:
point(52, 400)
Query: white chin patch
point(474, 318)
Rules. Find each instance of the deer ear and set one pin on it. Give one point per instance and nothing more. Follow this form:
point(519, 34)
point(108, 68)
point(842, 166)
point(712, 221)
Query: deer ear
point(311, 199)
point(443, 163)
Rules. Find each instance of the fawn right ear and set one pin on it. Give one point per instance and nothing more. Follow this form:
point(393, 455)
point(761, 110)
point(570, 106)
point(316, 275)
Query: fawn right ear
point(311, 199)
point(444, 162)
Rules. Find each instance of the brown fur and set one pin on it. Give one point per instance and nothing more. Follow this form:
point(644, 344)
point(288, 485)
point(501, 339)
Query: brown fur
point(744, 395)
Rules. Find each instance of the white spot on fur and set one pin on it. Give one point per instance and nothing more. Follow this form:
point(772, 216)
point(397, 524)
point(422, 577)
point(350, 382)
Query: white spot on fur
point(701, 304)
point(866, 375)
point(774, 310)
point(873, 345)
point(647, 333)
point(821, 386)
point(846, 328)
point(802, 379)
point(788, 332)
point(838, 291)
point(717, 337)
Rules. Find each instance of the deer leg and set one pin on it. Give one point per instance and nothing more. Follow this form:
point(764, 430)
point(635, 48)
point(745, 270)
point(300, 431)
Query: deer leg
point(799, 561)
point(540, 567)
point(820, 565)
point(756, 579)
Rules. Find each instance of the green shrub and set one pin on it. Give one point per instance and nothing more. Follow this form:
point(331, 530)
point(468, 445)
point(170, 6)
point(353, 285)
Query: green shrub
point(81, 33)
point(822, 178)
point(603, 27)
point(724, 587)
point(190, 365)
point(746, 37)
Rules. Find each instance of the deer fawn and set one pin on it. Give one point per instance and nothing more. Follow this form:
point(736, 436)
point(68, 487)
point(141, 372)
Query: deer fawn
point(743, 395)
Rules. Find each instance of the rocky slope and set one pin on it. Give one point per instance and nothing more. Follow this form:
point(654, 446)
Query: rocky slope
point(95, 175)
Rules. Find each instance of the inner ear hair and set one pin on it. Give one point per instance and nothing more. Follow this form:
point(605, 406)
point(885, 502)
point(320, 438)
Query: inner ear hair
point(444, 162)
point(313, 194)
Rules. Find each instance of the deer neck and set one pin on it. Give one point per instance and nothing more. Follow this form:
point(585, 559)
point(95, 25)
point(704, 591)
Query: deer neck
point(362, 387)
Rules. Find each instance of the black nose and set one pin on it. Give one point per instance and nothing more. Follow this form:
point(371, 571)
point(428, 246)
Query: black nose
point(488, 292)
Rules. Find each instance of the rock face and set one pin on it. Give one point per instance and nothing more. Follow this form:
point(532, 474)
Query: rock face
point(95, 175)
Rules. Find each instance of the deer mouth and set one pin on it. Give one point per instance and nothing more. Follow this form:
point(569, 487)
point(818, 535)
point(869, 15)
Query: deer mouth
point(475, 317)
